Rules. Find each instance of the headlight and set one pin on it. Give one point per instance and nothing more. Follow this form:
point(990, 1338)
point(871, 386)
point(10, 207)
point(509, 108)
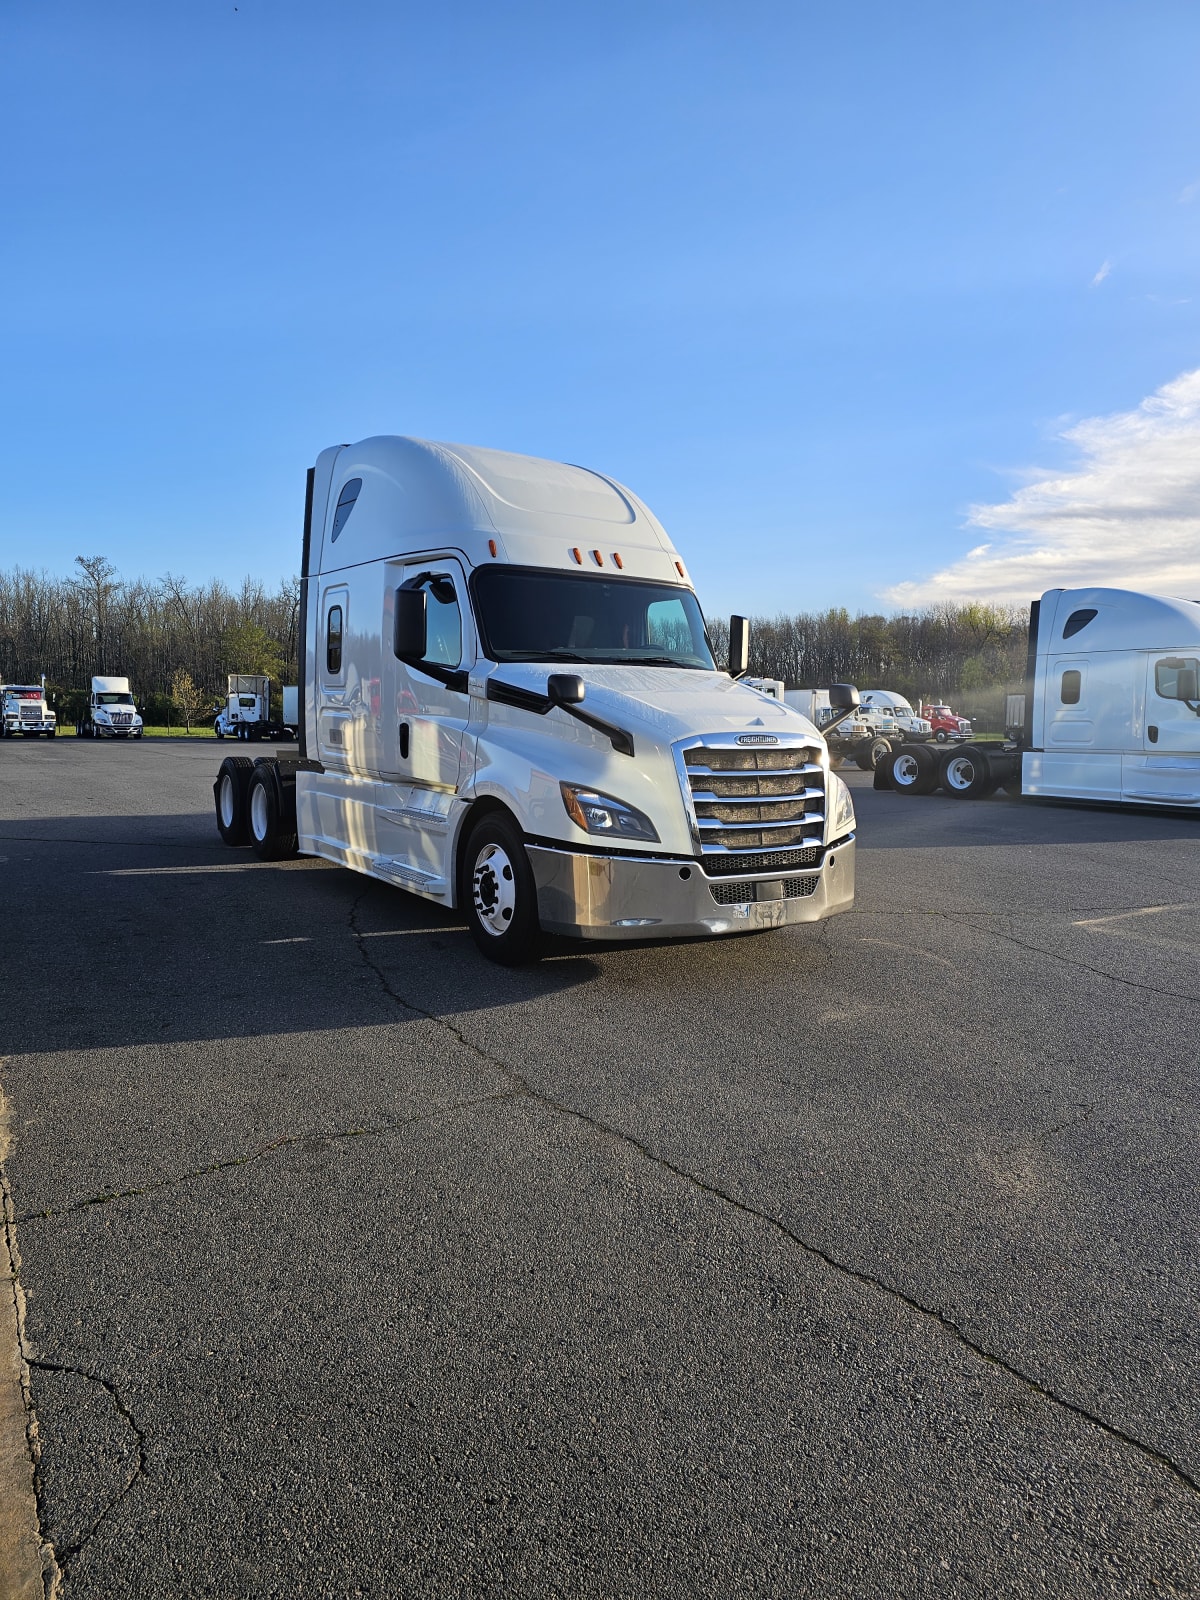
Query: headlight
point(601, 814)
point(841, 807)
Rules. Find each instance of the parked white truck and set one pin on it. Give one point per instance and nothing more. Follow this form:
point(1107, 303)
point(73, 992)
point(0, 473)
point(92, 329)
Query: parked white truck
point(24, 710)
point(111, 713)
point(510, 707)
point(1111, 710)
point(246, 713)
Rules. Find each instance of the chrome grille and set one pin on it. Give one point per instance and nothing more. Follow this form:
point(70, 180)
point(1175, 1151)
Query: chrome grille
point(761, 798)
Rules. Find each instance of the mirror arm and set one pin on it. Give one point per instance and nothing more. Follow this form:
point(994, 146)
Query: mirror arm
point(510, 694)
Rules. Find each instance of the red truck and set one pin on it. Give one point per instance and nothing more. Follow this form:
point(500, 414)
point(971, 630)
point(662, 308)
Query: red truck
point(946, 724)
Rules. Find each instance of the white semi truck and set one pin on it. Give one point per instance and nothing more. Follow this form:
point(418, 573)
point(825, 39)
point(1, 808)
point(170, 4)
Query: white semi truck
point(111, 713)
point(510, 706)
point(1111, 710)
point(23, 710)
point(246, 713)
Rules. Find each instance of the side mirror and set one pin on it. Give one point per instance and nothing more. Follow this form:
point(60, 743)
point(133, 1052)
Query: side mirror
point(843, 697)
point(739, 645)
point(1185, 684)
point(409, 632)
point(564, 689)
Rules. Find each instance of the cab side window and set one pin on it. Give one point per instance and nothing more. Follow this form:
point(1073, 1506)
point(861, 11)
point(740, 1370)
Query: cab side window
point(443, 623)
point(333, 641)
point(1168, 674)
point(1072, 683)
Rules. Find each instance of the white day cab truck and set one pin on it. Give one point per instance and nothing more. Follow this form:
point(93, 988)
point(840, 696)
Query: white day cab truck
point(246, 713)
point(1111, 710)
point(23, 710)
point(111, 713)
point(510, 707)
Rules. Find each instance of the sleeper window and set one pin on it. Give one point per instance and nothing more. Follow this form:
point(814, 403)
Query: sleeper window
point(345, 506)
point(1072, 683)
point(333, 641)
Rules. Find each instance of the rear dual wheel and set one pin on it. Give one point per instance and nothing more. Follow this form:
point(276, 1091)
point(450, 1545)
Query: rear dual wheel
point(967, 775)
point(271, 812)
point(913, 770)
point(229, 795)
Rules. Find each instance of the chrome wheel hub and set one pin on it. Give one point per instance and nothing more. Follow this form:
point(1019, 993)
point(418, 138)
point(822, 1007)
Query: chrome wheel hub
point(494, 889)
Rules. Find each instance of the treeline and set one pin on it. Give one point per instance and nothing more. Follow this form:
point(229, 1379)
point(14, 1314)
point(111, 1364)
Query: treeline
point(149, 631)
point(953, 651)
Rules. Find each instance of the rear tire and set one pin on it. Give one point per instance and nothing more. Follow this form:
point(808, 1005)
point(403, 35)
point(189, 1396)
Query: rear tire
point(967, 775)
point(912, 770)
point(272, 829)
point(229, 795)
point(497, 893)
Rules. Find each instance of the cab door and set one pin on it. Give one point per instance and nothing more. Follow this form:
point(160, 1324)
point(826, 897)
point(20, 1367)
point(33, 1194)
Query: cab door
point(1172, 725)
point(426, 755)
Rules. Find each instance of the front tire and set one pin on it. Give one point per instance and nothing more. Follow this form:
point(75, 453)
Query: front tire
point(497, 892)
point(229, 795)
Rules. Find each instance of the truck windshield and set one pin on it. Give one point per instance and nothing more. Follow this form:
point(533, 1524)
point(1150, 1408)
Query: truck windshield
point(114, 699)
point(529, 614)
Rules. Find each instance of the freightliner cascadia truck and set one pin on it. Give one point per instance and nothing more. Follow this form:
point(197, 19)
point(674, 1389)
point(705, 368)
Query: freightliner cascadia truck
point(1110, 712)
point(509, 706)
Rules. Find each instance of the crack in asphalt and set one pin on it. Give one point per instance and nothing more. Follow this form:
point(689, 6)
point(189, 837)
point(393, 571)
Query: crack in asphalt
point(524, 1089)
point(981, 919)
point(312, 1135)
point(51, 1574)
point(64, 1557)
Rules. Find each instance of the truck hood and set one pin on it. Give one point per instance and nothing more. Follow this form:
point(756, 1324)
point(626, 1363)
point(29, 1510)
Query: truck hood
point(666, 703)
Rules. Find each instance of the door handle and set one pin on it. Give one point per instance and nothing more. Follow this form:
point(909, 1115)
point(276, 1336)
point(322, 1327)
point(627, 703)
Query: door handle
point(403, 732)
point(1152, 732)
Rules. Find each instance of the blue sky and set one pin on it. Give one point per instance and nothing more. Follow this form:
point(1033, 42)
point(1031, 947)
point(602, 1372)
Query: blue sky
point(814, 280)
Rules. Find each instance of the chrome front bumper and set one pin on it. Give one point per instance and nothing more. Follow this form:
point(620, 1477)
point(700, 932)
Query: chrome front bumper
point(633, 897)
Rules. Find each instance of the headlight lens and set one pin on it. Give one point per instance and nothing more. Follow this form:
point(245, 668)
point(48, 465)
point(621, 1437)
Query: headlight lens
point(600, 814)
point(841, 807)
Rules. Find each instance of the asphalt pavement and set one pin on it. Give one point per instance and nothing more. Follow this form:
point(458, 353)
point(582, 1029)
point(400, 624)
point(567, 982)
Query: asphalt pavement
point(857, 1259)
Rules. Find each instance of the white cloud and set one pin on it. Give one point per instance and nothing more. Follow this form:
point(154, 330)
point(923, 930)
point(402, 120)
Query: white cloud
point(1186, 196)
point(1127, 517)
point(1103, 273)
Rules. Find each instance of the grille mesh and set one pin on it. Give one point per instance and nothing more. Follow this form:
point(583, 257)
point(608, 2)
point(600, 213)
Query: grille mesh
point(735, 894)
point(760, 861)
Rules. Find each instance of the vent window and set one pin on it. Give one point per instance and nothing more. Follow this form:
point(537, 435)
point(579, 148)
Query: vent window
point(1077, 621)
point(1072, 683)
point(345, 506)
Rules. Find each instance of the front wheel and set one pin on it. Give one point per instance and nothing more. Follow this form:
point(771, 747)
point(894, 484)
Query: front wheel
point(941, 736)
point(217, 730)
point(498, 894)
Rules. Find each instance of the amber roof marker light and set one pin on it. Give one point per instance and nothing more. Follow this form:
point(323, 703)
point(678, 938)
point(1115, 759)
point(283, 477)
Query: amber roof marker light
point(617, 562)
point(492, 546)
point(578, 558)
point(598, 558)
point(680, 571)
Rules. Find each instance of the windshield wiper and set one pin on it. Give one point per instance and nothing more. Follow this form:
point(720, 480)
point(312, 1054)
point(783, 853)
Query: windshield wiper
point(554, 654)
point(654, 661)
